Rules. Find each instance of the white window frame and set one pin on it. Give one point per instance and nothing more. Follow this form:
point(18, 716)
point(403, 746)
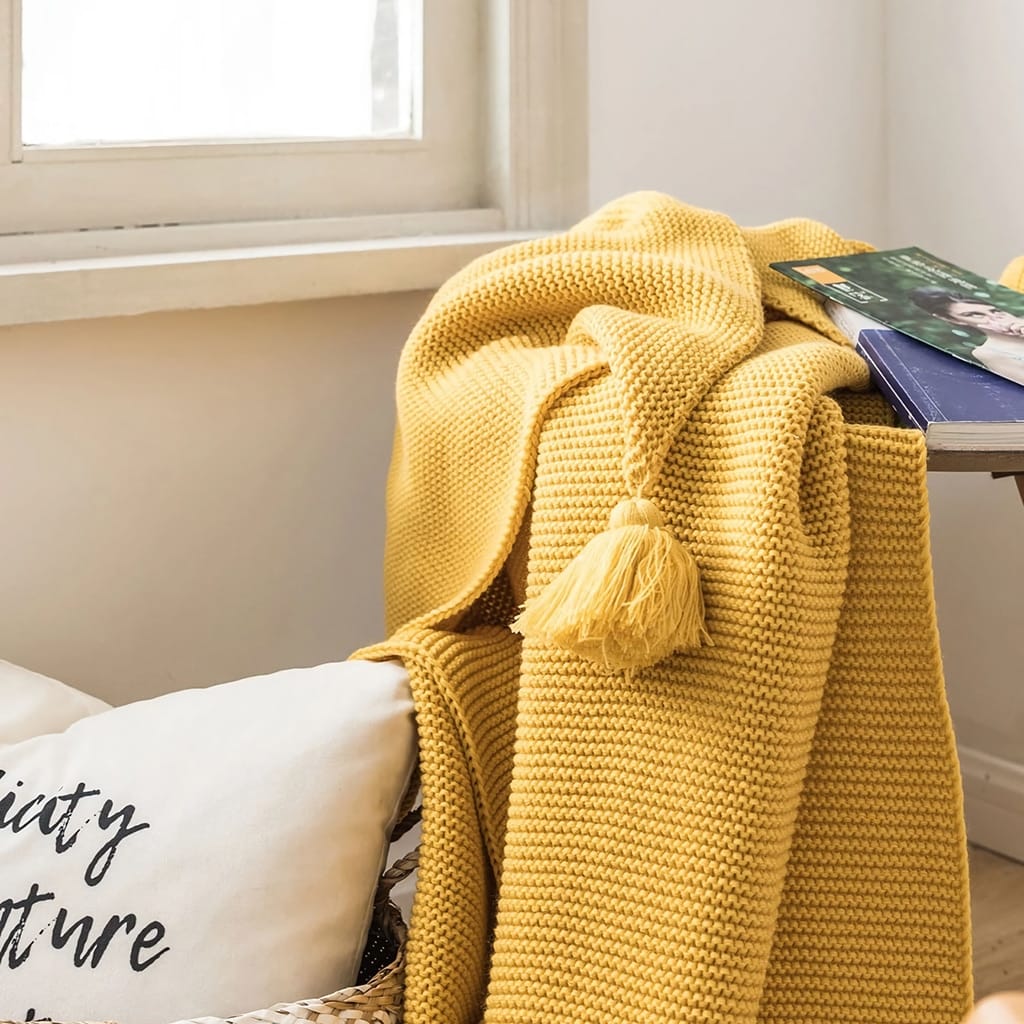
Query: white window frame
point(526, 174)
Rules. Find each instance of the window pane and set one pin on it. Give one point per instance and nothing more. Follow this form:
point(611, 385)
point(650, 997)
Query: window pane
point(122, 71)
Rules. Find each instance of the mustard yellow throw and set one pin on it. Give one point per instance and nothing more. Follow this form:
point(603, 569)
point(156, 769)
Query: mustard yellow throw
point(749, 811)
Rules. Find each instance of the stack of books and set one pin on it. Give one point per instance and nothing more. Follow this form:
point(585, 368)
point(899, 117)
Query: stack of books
point(944, 345)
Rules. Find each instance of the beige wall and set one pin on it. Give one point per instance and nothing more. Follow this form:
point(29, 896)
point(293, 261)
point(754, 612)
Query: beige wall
point(198, 496)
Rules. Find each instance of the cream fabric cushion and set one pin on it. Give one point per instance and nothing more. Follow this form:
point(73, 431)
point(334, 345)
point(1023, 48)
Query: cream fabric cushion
point(202, 853)
point(32, 704)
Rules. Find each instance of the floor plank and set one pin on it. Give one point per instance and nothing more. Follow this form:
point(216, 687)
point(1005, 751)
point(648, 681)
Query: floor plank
point(997, 913)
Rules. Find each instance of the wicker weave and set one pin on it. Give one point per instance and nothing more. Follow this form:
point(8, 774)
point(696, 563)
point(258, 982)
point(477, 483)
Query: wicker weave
point(377, 1001)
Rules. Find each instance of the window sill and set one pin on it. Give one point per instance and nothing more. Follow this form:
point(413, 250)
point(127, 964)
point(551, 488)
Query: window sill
point(84, 287)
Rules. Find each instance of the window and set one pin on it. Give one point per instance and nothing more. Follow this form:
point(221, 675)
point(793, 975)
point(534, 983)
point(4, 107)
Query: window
point(223, 70)
point(95, 75)
point(139, 127)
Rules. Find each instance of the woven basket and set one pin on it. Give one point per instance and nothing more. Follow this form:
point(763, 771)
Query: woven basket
point(377, 1000)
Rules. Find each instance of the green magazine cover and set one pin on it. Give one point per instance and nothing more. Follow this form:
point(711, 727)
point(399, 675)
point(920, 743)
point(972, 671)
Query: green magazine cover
point(930, 299)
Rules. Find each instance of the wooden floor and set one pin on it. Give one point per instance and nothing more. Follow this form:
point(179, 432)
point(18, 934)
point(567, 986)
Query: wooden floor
point(997, 912)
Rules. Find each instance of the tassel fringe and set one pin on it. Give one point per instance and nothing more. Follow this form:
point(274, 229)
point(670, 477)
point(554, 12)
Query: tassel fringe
point(630, 598)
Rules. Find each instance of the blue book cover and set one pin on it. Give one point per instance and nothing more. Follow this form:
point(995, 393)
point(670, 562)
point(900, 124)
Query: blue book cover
point(955, 404)
point(934, 388)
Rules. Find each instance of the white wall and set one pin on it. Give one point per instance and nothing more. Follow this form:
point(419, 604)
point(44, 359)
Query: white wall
point(760, 110)
point(956, 149)
point(194, 497)
point(956, 129)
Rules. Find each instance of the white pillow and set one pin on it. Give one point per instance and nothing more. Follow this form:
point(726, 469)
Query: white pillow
point(31, 704)
point(203, 853)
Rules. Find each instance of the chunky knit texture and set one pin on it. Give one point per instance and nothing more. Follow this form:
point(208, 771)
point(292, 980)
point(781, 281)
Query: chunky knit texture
point(764, 828)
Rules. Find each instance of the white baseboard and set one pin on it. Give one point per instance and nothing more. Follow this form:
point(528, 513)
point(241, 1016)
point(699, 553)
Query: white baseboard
point(993, 802)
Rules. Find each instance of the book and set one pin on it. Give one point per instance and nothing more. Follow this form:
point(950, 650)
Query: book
point(936, 302)
point(959, 407)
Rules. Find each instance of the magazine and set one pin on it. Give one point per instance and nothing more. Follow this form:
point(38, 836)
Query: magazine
point(928, 298)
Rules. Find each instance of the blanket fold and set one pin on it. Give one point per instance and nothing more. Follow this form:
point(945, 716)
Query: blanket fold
point(765, 828)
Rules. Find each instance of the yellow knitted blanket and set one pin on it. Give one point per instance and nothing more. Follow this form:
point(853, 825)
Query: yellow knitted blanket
point(764, 825)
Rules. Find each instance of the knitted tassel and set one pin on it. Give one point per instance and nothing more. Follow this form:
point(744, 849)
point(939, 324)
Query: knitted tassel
point(631, 597)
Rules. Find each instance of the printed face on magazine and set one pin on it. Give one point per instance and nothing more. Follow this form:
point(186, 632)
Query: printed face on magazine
point(985, 317)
